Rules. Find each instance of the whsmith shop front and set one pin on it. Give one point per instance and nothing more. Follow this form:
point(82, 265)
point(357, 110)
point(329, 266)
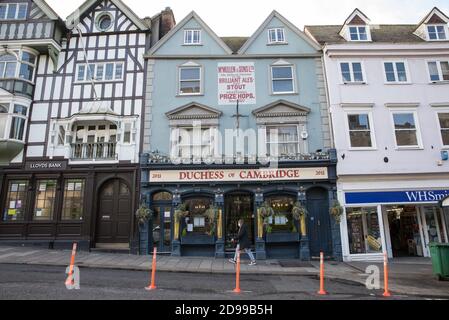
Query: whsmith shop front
point(400, 220)
point(195, 209)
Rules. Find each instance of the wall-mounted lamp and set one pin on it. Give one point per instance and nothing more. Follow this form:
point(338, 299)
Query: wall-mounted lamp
point(304, 135)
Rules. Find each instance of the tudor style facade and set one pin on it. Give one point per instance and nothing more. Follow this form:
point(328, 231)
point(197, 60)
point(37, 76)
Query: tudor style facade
point(74, 123)
point(389, 101)
point(271, 85)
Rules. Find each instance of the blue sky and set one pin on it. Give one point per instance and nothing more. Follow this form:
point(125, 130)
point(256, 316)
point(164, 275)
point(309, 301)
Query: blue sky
point(243, 17)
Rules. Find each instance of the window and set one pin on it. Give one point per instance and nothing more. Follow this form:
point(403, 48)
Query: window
point(193, 142)
point(444, 127)
point(358, 34)
point(189, 80)
point(127, 133)
point(352, 72)
point(3, 119)
point(12, 67)
point(282, 221)
point(438, 70)
point(405, 129)
point(282, 79)
point(276, 35)
point(198, 221)
point(72, 207)
point(360, 135)
point(192, 37)
point(111, 71)
point(282, 140)
point(45, 200)
point(13, 11)
point(16, 201)
point(363, 230)
point(395, 72)
point(18, 122)
point(436, 32)
point(61, 136)
point(104, 21)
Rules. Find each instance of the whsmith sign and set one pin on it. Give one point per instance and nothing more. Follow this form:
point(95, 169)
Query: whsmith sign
point(46, 165)
point(413, 196)
point(239, 175)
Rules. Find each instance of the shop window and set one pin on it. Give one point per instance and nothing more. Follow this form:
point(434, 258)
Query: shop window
point(163, 196)
point(72, 208)
point(16, 200)
point(197, 221)
point(282, 140)
point(282, 221)
point(45, 200)
point(363, 230)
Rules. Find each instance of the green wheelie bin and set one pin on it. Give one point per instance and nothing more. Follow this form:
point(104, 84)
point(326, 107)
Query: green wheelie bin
point(440, 260)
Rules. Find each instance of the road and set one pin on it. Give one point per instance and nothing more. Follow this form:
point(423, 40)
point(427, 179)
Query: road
point(47, 283)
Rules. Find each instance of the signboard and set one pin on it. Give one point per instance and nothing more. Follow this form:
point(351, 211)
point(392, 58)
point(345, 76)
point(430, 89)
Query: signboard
point(236, 81)
point(238, 175)
point(46, 165)
point(413, 196)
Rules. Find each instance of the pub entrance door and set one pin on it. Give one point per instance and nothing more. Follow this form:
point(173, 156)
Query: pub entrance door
point(319, 224)
point(161, 224)
point(238, 206)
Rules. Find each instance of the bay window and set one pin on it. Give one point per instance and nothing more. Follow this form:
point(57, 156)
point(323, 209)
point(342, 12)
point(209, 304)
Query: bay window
point(282, 140)
point(13, 119)
point(18, 64)
point(3, 119)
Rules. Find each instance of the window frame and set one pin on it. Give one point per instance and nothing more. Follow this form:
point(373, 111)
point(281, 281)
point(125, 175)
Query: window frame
point(440, 129)
point(293, 79)
point(276, 41)
point(359, 111)
point(18, 54)
point(436, 25)
point(368, 36)
point(175, 146)
point(87, 78)
point(396, 81)
point(440, 71)
point(16, 16)
point(66, 181)
point(7, 199)
point(268, 143)
point(419, 140)
point(193, 30)
point(201, 77)
point(351, 70)
point(11, 115)
point(53, 213)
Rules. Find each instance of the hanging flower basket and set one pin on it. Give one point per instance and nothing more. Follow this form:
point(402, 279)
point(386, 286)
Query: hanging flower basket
point(336, 211)
point(143, 214)
point(211, 215)
point(299, 211)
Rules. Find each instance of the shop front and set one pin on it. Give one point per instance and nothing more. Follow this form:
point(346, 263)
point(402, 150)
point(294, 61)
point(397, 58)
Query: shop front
point(196, 210)
point(401, 223)
point(51, 203)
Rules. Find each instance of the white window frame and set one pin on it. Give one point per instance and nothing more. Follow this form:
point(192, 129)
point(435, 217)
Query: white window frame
point(359, 111)
point(368, 35)
point(418, 128)
point(16, 16)
point(396, 81)
point(96, 65)
point(436, 25)
point(437, 114)
point(440, 71)
point(276, 40)
point(175, 146)
point(294, 86)
point(193, 43)
point(9, 119)
point(192, 66)
point(274, 125)
point(18, 53)
point(351, 70)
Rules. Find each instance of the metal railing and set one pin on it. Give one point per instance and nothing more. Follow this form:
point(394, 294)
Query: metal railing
point(94, 151)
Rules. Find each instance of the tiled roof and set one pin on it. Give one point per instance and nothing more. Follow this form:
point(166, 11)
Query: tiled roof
point(386, 33)
point(234, 43)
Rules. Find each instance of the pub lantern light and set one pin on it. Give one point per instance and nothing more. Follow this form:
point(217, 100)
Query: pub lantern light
point(302, 194)
point(259, 195)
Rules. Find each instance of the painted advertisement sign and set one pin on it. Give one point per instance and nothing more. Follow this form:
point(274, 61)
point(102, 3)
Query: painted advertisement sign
point(236, 81)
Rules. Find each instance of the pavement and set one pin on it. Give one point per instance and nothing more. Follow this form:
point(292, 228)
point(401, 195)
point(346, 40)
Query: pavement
point(407, 276)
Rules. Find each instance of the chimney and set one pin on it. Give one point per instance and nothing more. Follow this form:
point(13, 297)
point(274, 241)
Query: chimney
point(167, 22)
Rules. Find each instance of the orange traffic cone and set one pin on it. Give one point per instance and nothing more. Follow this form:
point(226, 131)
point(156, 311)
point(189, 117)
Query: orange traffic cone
point(386, 289)
point(70, 281)
point(152, 285)
point(237, 275)
point(322, 291)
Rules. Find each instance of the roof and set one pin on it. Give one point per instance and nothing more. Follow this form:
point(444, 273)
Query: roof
point(391, 33)
point(235, 43)
point(47, 9)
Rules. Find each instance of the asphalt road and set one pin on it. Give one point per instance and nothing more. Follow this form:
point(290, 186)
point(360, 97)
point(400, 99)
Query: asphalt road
point(48, 283)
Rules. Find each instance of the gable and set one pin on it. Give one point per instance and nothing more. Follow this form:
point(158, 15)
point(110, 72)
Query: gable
point(87, 18)
point(297, 42)
point(41, 10)
point(36, 13)
point(357, 21)
point(193, 111)
point(436, 19)
point(173, 42)
point(281, 108)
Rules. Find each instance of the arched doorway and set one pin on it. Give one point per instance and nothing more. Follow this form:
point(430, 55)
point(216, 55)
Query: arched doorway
point(319, 227)
point(238, 206)
point(114, 213)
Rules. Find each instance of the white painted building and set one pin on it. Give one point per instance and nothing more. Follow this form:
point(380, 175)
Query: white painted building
point(388, 88)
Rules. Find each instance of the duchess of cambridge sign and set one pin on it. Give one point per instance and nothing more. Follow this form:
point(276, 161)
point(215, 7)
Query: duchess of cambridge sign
point(236, 81)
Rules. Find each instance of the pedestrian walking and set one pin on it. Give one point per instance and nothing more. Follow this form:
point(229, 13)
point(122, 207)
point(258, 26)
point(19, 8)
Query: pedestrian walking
point(243, 243)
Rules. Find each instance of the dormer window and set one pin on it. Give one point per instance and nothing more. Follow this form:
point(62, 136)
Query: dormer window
point(192, 37)
point(436, 32)
point(276, 35)
point(358, 33)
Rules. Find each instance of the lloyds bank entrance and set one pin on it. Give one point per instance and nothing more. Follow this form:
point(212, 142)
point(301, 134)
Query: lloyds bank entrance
point(195, 208)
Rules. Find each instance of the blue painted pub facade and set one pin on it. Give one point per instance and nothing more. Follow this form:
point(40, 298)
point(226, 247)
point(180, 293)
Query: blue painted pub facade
point(268, 88)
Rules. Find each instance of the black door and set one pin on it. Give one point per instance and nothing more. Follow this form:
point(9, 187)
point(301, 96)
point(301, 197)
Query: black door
point(162, 227)
point(238, 206)
point(319, 228)
point(114, 213)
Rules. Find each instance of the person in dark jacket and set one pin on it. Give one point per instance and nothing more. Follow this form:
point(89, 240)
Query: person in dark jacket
point(243, 243)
